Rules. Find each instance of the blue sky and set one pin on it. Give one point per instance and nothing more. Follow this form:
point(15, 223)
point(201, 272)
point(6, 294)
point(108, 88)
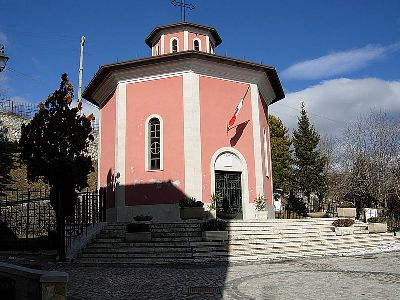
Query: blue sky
point(341, 58)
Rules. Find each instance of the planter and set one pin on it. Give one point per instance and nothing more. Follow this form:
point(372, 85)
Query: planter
point(138, 236)
point(346, 212)
point(192, 213)
point(319, 214)
point(212, 214)
point(377, 227)
point(226, 215)
point(344, 230)
point(261, 214)
point(215, 236)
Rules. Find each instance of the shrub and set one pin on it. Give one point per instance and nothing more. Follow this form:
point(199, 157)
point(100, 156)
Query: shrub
point(137, 227)
point(215, 198)
point(214, 225)
point(190, 202)
point(198, 204)
point(260, 203)
point(346, 204)
point(187, 202)
point(377, 220)
point(343, 222)
point(142, 218)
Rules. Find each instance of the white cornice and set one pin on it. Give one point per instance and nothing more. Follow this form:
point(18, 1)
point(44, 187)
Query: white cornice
point(178, 67)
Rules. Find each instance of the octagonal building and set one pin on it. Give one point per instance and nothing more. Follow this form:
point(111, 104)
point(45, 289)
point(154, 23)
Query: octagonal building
point(164, 131)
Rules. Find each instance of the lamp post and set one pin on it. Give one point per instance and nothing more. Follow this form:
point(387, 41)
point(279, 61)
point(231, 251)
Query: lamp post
point(3, 58)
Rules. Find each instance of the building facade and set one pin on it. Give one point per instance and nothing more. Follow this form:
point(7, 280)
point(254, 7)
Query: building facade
point(163, 126)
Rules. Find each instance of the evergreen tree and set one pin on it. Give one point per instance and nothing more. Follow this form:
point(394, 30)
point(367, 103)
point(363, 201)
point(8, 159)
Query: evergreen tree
point(54, 147)
point(280, 153)
point(309, 164)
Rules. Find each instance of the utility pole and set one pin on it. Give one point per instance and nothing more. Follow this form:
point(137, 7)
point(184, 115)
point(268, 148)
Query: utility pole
point(81, 70)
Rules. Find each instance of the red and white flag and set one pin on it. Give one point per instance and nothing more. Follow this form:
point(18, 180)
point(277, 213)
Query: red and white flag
point(237, 109)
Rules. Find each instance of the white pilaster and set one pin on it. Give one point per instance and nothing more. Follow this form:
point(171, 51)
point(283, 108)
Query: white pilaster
point(207, 44)
point(120, 138)
point(192, 138)
point(99, 152)
point(162, 44)
point(255, 116)
point(185, 40)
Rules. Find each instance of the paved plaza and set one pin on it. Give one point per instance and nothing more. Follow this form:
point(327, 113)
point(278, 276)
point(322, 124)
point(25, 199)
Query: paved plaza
point(373, 276)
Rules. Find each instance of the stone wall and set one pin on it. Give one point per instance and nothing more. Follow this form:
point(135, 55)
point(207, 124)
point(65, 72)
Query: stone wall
point(14, 122)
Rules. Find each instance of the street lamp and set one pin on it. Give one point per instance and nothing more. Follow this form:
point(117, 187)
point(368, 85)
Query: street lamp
point(3, 58)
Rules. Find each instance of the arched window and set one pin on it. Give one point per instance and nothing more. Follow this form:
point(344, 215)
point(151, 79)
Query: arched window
point(196, 45)
point(154, 143)
point(174, 45)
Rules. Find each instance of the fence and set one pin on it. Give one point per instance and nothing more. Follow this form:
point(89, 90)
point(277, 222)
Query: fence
point(28, 221)
point(22, 109)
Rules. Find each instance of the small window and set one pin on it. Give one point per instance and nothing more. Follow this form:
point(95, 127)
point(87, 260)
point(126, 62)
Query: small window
point(174, 45)
point(196, 45)
point(154, 144)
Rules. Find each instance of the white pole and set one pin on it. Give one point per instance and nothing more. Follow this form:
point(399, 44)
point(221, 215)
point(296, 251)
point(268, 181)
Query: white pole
point(81, 70)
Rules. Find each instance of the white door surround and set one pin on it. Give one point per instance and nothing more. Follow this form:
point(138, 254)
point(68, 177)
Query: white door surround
point(230, 159)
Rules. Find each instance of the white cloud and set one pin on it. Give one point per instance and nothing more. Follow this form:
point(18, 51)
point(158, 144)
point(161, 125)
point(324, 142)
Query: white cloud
point(333, 104)
point(337, 63)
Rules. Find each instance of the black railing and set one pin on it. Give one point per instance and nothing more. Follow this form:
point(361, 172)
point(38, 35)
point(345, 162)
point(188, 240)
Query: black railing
point(28, 221)
point(89, 210)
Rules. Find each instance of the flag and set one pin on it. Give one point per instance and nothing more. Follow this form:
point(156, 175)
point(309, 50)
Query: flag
point(237, 109)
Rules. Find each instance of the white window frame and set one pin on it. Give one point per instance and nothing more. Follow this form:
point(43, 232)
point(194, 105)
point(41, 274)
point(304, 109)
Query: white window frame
point(177, 44)
point(197, 39)
point(146, 143)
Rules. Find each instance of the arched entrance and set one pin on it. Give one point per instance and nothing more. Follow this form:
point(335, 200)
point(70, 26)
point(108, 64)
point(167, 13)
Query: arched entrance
point(229, 178)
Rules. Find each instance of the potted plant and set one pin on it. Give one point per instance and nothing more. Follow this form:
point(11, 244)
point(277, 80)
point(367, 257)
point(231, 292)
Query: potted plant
point(343, 226)
point(261, 213)
point(377, 225)
point(227, 212)
point(191, 209)
point(212, 208)
point(138, 232)
point(214, 230)
point(346, 210)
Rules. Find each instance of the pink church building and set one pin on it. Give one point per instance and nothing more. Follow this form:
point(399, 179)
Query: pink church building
point(164, 127)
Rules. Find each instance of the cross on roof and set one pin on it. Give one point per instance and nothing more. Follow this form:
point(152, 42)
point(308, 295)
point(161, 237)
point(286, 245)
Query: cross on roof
point(183, 5)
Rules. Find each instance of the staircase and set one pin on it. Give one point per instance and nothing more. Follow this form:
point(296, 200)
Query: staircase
point(248, 241)
point(170, 243)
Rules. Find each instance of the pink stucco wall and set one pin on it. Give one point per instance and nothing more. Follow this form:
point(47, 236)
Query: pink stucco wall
point(263, 108)
point(202, 39)
point(107, 154)
point(167, 39)
point(164, 98)
point(218, 100)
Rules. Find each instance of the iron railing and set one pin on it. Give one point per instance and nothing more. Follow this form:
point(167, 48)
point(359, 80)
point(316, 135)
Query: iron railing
point(28, 221)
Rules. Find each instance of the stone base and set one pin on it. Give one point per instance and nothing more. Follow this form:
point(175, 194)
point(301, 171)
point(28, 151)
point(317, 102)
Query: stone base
point(377, 227)
point(346, 212)
point(215, 236)
point(344, 230)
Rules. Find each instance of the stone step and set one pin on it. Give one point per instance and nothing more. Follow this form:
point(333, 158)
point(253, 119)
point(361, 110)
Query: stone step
point(137, 250)
point(137, 255)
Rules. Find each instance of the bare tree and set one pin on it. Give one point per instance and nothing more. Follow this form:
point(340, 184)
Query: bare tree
point(370, 160)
